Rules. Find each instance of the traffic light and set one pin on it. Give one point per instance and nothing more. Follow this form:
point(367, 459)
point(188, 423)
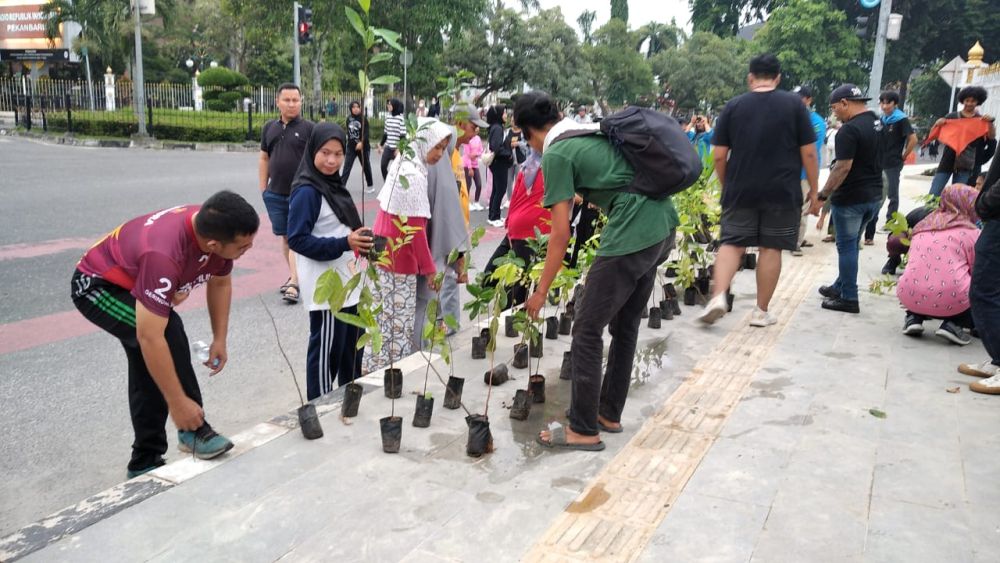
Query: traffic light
point(861, 27)
point(305, 25)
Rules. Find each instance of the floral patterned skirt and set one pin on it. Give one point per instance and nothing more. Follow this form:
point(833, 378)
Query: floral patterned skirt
point(398, 295)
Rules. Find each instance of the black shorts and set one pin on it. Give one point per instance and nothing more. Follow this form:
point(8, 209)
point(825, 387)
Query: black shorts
point(765, 228)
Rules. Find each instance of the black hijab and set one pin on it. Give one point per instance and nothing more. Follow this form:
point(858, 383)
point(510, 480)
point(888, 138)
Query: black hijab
point(330, 187)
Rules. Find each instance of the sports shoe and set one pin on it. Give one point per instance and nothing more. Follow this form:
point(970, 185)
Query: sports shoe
point(370, 190)
point(989, 385)
point(953, 333)
point(913, 325)
point(714, 310)
point(204, 442)
point(829, 292)
point(842, 305)
point(761, 318)
point(497, 223)
point(505, 204)
point(797, 251)
point(985, 369)
point(133, 473)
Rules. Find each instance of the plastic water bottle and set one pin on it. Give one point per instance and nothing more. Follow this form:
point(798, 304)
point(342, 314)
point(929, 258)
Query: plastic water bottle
point(200, 351)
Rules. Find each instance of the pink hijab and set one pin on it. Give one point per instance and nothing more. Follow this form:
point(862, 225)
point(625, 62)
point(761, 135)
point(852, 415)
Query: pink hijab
point(958, 209)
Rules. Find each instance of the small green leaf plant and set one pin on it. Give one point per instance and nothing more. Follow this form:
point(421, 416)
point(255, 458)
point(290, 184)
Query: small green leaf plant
point(491, 299)
point(897, 226)
point(699, 210)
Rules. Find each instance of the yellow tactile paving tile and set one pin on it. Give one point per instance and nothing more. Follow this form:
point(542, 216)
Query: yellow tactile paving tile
point(616, 515)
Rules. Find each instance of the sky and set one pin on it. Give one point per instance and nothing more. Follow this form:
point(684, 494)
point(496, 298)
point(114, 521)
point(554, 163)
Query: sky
point(640, 12)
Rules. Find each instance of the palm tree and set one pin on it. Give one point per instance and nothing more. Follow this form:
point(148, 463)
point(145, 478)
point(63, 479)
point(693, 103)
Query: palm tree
point(660, 37)
point(586, 23)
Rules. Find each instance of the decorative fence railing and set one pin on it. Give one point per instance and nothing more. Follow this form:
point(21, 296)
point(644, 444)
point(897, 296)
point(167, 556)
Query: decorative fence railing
point(101, 109)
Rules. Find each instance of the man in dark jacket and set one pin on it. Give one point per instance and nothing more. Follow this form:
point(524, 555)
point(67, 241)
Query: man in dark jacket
point(985, 291)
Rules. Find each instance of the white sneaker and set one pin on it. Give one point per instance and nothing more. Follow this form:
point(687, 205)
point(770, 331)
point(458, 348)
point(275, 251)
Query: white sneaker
point(474, 206)
point(761, 318)
point(498, 223)
point(989, 385)
point(714, 310)
point(505, 204)
point(985, 369)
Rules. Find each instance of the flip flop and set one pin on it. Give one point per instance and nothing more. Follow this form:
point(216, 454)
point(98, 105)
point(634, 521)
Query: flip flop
point(604, 428)
point(829, 239)
point(806, 244)
point(557, 440)
point(288, 296)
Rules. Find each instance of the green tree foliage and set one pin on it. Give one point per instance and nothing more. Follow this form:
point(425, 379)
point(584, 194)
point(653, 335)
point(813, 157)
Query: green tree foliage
point(619, 10)
point(658, 37)
point(620, 73)
point(586, 23)
point(726, 18)
point(931, 30)
point(930, 95)
point(814, 44)
point(496, 54)
point(557, 63)
point(705, 72)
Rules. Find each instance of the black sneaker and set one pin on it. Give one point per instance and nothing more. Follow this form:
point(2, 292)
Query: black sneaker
point(953, 333)
point(842, 305)
point(829, 292)
point(889, 269)
point(913, 325)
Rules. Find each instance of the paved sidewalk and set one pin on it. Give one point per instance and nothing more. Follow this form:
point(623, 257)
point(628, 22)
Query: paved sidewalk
point(740, 444)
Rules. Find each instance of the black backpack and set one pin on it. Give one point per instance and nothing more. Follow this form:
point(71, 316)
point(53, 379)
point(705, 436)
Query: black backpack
point(664, 160)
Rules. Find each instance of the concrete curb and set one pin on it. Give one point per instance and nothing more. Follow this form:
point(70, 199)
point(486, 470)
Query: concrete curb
point(105, 504)
point(150, 143)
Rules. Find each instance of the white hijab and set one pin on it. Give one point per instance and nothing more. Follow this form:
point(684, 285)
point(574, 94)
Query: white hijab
point(412, 200)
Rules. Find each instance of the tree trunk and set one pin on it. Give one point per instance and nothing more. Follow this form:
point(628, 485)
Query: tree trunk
point(317, 67)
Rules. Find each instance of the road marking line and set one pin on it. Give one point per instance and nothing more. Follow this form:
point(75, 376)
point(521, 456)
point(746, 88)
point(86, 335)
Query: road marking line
point(615, 517)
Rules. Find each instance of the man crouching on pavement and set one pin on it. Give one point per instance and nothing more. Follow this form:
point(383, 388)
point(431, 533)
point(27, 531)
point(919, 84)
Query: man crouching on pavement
point(128, 285)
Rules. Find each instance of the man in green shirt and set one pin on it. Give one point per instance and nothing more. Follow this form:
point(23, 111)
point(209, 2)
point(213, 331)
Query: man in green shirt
point(637, 237)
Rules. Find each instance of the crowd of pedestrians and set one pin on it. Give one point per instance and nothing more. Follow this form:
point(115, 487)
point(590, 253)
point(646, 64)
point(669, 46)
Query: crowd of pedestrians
point(766, 147)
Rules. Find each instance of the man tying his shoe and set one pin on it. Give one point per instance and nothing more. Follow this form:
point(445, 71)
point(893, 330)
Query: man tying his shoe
point(128, 285)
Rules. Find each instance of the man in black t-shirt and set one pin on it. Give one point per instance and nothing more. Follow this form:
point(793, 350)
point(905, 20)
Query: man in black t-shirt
point(763, 140)
point(282, 142)
point(854, 189)
point(898, 141)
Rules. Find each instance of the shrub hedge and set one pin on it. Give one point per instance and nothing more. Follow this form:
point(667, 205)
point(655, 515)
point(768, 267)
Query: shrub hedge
point(176, 125)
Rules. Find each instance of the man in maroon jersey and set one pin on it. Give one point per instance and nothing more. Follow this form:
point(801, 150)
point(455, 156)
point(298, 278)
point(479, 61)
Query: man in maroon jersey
point(128, 284)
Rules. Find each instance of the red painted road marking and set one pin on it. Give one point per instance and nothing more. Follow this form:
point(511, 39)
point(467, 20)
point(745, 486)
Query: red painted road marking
point(260, 271)
point(16, 251)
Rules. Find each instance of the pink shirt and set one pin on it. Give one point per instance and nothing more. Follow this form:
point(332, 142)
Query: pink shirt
point(939, 272)
point(471, 152)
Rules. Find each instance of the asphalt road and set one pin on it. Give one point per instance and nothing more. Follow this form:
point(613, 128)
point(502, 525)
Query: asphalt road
point(62, 383)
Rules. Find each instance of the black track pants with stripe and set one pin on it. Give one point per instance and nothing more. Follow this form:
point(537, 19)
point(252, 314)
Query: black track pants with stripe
point(112, 308)
point(332, 355)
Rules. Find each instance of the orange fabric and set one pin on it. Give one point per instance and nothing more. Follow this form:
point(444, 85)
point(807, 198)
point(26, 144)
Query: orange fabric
point(958, 133)
point(463, 190)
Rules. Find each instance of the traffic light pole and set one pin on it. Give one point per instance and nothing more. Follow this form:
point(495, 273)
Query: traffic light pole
point(297, 77)
point(878, 61)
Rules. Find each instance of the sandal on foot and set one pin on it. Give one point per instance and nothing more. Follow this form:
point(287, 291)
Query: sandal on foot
point(284, 286)
point(291, 293)
point(829, 239)
point(557, 440)
point(605, 428)
point(806, 244)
